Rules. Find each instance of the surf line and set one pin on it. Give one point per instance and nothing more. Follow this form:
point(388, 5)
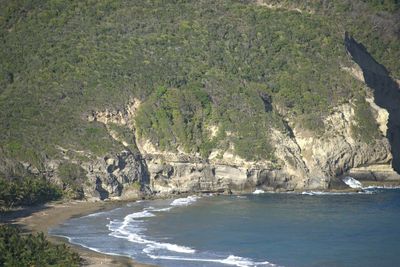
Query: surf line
point(131, 229)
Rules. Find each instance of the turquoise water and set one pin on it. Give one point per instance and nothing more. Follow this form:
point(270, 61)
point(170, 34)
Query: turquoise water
point(250, 230)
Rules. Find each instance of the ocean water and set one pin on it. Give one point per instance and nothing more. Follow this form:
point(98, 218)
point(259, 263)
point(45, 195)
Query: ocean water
point(263, 229)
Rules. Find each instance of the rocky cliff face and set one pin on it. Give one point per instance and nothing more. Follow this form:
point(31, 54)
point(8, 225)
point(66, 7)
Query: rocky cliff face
point(386, 91)
point(304, 160)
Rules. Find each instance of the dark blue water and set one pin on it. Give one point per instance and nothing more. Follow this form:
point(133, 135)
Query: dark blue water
point(252, 230)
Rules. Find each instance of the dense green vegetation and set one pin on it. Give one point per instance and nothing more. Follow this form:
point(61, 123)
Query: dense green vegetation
point(384, 5)
point(17, 249)
point(374, 23)
point(364, 128)
point(26, 191)
point(73, 177)
point(194, 64)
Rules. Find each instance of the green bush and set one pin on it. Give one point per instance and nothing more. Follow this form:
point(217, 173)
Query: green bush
point(73, 177)
point(173, 117)
point(365, 127)
point(191, 63)
point(26, 191)
point(32, 250)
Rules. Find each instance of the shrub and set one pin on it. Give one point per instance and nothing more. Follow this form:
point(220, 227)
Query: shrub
point(32, 250)
point(73, 177)
point(26, 191)
point(365, 127)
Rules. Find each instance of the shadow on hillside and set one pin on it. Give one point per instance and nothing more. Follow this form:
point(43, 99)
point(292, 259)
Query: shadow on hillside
point(386, 92)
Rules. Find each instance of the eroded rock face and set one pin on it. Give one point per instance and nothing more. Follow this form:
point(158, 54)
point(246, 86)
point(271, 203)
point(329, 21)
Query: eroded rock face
point(174, 177)
point(114, 174)
point(336, 152)
point(304, 161)
point(386, 92)
point(123, 116)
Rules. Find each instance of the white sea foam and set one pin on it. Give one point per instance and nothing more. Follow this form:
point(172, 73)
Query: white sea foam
point(258, 191)
point(184, 201)
point(150, 245)
point(231, 260)
point(99, 213)
point(72, 241)
point(371, 187)
point(140, 214)
point(239, 261)
point(351, 182)
point(163, 209)
point(132, 226)
point(322, 193)
point(95, 214)
point(130, 230)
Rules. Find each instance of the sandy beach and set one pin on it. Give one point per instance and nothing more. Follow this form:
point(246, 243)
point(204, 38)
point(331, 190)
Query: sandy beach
point(42, 218)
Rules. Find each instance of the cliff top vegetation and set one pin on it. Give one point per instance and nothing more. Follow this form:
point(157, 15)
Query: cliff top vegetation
point(236, 64)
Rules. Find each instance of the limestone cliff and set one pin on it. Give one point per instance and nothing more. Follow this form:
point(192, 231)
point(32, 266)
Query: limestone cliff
point(303, 160)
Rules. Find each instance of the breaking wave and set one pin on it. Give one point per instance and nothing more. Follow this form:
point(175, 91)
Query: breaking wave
point(131, 228)
point(230, 260)
point(258, 191)
point(184, 201)
point(351, 182)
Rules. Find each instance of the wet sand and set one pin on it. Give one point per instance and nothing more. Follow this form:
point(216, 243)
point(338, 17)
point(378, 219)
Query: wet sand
point(42, 218)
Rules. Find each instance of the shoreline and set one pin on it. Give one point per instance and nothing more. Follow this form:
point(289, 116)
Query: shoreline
point(41, 218)
point(44, 217)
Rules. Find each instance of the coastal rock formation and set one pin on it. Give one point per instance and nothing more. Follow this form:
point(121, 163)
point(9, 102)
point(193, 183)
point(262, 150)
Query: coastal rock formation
point(305, 161)
point(337, 152)
point(302, 159)
point(385, 89)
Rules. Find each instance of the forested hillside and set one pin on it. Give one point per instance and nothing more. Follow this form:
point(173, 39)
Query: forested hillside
point(246, 66)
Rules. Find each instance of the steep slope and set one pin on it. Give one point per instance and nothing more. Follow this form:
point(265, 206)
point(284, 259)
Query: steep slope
point(116, 98)
point(386, 93)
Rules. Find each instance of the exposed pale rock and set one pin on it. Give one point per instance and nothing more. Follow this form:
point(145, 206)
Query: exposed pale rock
point(304, 160)
point(377, 172)
point(124, 117)
point(381, 115)
point(264, 3)
point(356, 72)
point(337, 152)
point(213, 130)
